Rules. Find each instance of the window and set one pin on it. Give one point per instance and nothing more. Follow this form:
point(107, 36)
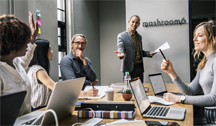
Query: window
point(62, 42)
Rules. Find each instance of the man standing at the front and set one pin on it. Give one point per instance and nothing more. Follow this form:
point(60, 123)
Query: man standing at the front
point(130, 49)
point(75, 64)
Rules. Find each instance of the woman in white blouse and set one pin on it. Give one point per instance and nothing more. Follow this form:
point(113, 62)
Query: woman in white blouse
point(16, 51)
point(41, 83)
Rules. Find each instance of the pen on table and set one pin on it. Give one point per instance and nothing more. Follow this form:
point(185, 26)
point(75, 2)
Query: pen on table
point(162, 54)
point(92, 85)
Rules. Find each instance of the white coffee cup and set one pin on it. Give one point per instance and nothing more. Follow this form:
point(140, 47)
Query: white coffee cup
point(109, 94)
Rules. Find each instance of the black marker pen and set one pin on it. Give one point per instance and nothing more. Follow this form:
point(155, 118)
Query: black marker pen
point(92, 85)
point(162, 54)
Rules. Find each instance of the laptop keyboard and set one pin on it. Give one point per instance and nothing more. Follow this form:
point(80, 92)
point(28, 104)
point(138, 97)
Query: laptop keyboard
point(31, 121)
point(158, 111)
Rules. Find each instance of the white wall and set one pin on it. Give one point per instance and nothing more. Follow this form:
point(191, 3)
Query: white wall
point(4, 4)
point(48, 19)
point(176, 35)
point(21, 10)
point(49, 26)
point(112, 22)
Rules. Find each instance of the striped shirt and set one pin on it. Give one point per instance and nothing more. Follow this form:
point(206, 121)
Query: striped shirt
point(40, 93)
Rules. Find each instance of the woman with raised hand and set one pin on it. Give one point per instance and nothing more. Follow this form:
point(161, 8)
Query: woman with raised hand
point(205, 42)
point(16, 51)
point(41, 84)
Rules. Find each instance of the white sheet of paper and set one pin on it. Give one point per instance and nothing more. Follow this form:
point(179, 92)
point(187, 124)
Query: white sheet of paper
point(120, 121)
point(101, 91)
point(124, 122)
point(163, 123)
point(163, 47)
point(157, 100)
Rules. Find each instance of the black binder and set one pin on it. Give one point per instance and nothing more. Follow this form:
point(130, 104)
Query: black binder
point(109, 106)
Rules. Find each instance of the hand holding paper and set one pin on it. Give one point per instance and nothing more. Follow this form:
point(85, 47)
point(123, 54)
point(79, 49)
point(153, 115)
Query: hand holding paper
point(152, 53)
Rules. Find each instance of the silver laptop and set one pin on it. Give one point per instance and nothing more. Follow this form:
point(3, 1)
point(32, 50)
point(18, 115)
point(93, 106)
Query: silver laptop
point(158, 85)
point(163, 112)
point(62, 100)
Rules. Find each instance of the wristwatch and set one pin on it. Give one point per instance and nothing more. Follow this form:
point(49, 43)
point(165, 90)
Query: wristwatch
point(182, 98)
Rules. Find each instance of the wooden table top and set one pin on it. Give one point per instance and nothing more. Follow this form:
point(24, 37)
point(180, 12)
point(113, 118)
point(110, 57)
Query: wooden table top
point(188, 121)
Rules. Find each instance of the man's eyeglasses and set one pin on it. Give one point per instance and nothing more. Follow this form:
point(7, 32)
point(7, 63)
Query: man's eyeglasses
point(78, 43)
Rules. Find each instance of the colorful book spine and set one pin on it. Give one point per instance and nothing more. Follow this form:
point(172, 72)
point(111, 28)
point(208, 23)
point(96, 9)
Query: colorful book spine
point(106, 114)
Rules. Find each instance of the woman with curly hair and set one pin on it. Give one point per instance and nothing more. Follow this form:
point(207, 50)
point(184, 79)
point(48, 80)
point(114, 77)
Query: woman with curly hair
point(16, 51)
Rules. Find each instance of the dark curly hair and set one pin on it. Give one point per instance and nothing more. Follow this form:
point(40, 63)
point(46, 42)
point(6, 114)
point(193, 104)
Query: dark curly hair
point(14, 34)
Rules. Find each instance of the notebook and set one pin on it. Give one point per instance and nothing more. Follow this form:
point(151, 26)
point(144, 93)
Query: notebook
point(101, 92)
point(62, 100)
point(10, 105)
point(158, 85)
point(163, 112)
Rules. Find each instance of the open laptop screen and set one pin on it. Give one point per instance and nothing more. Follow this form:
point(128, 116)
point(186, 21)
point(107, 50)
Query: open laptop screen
point(140, 95)
point(157, 83)
point(10, 105)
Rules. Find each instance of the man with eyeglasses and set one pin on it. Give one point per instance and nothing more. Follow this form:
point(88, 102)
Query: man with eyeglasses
point(75, 64)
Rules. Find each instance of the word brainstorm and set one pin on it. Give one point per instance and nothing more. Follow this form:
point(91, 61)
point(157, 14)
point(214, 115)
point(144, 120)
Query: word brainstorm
point(166, 22)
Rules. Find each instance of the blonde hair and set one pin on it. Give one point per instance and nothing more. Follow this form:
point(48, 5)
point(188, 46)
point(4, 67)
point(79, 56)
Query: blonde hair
point(209, 30)
point(81, 35)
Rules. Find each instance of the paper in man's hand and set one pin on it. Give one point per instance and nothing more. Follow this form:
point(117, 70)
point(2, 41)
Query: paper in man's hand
point(163, 47)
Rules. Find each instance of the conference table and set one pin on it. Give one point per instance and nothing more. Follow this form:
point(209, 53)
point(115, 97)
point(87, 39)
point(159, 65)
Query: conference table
point(188, 121)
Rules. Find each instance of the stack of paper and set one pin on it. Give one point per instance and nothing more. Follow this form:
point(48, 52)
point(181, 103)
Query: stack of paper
point(117, 85)
point(124, 122)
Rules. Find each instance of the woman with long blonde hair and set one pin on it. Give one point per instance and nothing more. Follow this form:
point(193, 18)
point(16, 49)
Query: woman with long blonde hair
point(205, 42)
